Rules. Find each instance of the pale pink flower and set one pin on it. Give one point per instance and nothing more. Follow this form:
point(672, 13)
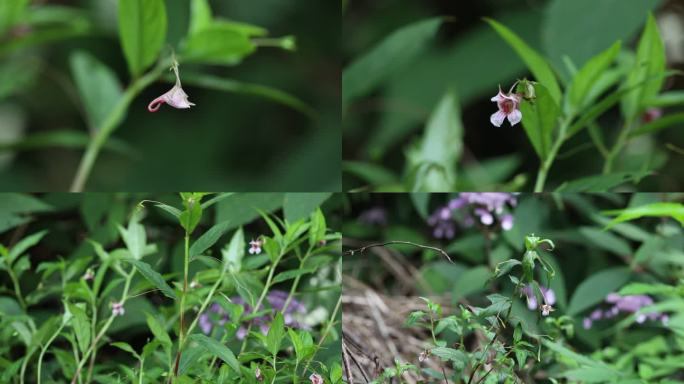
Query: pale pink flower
point(508, 107)
point(118, 309)
point(652, 114)
point(255, 247)
point(546, 309)
point(258, 375)
point(175, 97)
point(316, 378)
point(89, 275)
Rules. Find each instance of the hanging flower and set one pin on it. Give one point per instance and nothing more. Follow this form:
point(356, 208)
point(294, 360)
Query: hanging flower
point(255, 246)
point(258, 375)
point(118, 309)
point(175, 97)
point(508, 108)
point(316, 378)
point(89, 275)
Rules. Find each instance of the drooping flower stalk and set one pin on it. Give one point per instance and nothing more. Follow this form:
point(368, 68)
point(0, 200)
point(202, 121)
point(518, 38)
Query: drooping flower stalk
point(175, 97)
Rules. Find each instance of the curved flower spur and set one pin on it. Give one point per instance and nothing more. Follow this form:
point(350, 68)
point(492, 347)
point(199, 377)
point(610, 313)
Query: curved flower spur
point(175, 97)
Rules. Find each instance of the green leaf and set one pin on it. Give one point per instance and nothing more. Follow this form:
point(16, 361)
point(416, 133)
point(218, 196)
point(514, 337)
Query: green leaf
point(153, 277)
point(217, 44)
point(10, 13)
point(235, 251)
point(217, 349)
point(231, 85)
point(586, 78)
point(299, 205)
point(209, 238)
point(142, 30)
point(606, 240)
point(386, 58)
point(666, 99)
point(537, 64)
point(243, 208)
point(650, 62)
point(190, 217)
point(373, 174)
point(275, 335)
point(658, 124)
point(471, 281)
point(23, 245)
point(158, 330)
point(420, 203)
point(660, 209)
point(457, 356)
point(291, 274)
point(594, 374)
point(98, 87)
point(594, 289)
point(81, 326)
point(580, 29)
point(135, 238)
point(433, 160)
point(190, 356)
point(200, 15)
point(648, 289)
point(126, 347)
point(597, 183)
point(539, 118)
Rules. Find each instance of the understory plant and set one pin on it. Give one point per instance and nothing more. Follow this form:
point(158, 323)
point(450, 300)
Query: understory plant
point(237, 310)
point(102, 99)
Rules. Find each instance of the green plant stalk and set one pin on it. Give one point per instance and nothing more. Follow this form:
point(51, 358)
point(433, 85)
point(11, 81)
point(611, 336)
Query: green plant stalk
point(295, 284)
point(93, 329)
point(140, 378)
point(44, 349)
point(327, 329)
point(103, 331)
point(111, 122)
point(617, 148)
point(205, 303)
point(269, 280)
point(181, 332)
point(548, 162)
point(17, 288)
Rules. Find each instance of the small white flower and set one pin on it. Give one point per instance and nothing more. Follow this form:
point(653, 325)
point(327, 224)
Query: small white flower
point(255, 247)
point(257, 374)
point(118, 309)
point(89, 275)
point(508, 107)
point(546, 309)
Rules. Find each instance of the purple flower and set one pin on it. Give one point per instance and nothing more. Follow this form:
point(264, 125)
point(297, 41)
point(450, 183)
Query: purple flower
point(470, 207)
point(255, 246)
point(216, 316)
point(373, 216)
point(625, 304)
point(549, 297)
point(508, 105)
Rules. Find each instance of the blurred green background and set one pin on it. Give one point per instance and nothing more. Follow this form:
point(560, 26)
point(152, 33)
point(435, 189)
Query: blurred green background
point(468, 57)
point(228, 141)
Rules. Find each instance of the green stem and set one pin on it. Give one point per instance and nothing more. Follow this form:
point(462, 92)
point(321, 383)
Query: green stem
point(617, 148)
point(269, 280)
point(17, 288)
point(110, 123)
point(44, 349)
point(104, 329)
point(329, 326)
point(295, 284)
point(551, 157)
point(181, 332)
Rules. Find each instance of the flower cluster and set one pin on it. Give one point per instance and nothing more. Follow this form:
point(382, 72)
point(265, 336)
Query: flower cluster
point(216, 315)
point(548, 296)
point(625, 304)
point(487, 208)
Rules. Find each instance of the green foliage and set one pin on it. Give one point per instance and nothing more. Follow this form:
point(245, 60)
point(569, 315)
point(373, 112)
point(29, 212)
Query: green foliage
point(142, 30)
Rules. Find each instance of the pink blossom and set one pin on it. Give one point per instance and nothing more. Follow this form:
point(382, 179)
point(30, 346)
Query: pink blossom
point(652, 114)
point(175, 97)
point(316, 378)
point(118, 309)
point(508, 108)
point(255, 247)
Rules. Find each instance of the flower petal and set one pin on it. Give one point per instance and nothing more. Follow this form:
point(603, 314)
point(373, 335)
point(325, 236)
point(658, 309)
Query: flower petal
point(514, 117)
point(497, 118)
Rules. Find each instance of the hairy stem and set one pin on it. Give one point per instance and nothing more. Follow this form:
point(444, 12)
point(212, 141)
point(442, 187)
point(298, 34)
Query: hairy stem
point(110, 123)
